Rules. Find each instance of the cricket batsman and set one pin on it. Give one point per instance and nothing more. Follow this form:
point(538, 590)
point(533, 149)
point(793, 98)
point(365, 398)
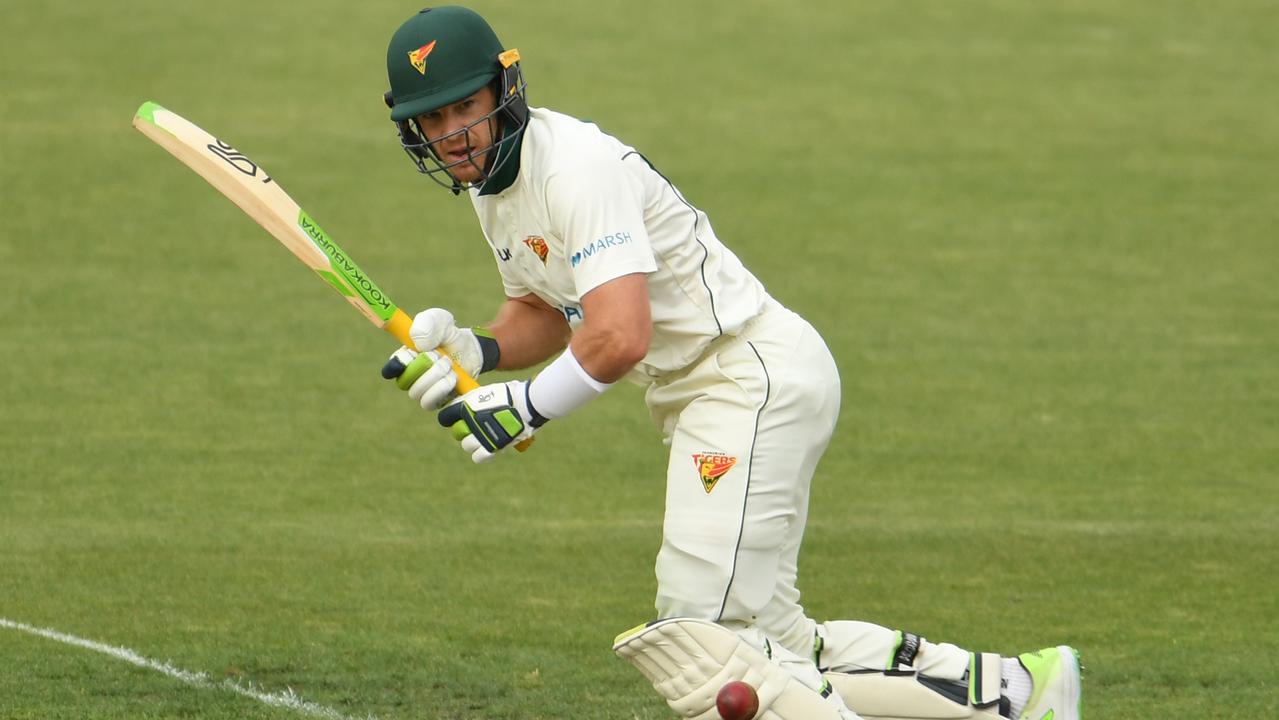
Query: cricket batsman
point(610, 271)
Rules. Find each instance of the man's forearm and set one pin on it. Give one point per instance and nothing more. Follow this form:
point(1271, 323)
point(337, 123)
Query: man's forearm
point(528, 331)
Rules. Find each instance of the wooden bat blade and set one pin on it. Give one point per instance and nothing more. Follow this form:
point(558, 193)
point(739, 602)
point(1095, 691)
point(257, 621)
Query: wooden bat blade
point(247, 184)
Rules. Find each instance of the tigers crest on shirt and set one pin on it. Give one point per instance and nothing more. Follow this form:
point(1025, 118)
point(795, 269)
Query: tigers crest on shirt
point(538, 245)
point(711, 466)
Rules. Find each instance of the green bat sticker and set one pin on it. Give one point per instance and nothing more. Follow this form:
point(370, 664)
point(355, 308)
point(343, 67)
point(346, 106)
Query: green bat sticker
point(345, 272)
point(147, 111)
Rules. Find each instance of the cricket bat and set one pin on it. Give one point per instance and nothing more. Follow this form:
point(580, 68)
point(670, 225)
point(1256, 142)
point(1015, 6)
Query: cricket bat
point(247, 185)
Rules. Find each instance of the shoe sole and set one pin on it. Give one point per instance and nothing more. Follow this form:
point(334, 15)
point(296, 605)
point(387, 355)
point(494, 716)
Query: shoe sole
point(1073, 681)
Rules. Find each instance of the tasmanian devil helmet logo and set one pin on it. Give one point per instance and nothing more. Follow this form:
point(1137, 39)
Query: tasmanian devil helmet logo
point(418, 56)
point(538, 246)
point(711, 466)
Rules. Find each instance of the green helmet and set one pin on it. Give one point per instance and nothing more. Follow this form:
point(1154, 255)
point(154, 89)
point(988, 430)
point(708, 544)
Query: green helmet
point(441, 56)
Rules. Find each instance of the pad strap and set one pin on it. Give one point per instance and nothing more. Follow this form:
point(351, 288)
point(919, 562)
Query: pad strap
point(907, 649)
point(984, 675)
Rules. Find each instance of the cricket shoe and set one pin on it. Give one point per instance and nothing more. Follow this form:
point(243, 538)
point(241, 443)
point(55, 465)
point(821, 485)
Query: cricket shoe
point(1056, 684)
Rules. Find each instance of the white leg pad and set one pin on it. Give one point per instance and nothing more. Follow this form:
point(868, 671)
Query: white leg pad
point(901, 696)
point(688, 661)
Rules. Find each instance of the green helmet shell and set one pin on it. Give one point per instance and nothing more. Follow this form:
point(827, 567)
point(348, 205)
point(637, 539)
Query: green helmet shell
point(438, 57)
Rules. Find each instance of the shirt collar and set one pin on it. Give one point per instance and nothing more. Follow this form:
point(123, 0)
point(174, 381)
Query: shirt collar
point(508, 161)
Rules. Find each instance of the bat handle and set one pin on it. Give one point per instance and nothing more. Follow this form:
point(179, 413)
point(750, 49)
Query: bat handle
point(399, 325)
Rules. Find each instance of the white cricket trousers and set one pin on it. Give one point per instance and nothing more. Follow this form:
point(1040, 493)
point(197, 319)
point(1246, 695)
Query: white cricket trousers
point(766, 401)
point(747, 423)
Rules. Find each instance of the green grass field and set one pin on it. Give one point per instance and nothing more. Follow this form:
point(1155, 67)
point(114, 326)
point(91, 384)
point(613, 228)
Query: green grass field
point(1042, 240)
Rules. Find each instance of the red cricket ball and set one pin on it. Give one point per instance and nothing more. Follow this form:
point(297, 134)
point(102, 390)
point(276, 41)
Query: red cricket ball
point(737, 701)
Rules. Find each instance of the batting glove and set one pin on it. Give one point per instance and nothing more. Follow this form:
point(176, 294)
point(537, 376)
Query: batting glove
point(430, 382)
point(491, 418)
point(428, 377)
point(435, 328)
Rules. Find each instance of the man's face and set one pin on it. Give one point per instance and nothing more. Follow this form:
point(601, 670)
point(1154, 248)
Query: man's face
point(465, 153)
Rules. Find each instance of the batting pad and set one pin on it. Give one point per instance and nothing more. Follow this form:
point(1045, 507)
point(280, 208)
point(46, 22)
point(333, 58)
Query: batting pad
point(688, 661)
point(901, 695)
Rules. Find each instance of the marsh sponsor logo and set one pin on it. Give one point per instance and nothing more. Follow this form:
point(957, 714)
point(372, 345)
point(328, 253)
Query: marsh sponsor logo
point(599, 246)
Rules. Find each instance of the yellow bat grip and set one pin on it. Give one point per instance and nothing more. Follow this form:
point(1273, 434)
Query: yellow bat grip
point(398, 326)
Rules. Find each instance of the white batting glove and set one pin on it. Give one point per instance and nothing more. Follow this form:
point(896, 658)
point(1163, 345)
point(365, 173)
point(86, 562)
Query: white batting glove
point(428, 377)
point(429, 380)
point(435, 328)
point(491, 418)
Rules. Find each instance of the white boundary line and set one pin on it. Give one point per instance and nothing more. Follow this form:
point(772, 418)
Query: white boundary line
point(287, 699)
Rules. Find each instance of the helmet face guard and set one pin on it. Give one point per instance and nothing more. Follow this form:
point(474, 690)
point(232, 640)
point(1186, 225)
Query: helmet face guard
point(505, 123)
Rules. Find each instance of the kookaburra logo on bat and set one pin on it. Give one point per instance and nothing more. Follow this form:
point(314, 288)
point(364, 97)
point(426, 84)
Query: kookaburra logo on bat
point(237, 159)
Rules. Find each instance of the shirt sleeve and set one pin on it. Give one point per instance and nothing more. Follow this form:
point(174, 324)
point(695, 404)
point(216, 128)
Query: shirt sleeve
point(513, 288)
point(597, 206)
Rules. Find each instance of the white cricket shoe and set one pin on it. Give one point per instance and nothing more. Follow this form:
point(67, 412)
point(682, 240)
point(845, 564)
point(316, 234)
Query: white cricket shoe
point(1056, 684)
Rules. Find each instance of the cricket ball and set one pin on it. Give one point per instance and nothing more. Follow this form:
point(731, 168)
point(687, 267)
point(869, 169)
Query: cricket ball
point(737, 701)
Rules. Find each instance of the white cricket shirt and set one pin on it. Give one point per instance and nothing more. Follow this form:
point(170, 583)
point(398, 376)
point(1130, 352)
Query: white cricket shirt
point(585, 209)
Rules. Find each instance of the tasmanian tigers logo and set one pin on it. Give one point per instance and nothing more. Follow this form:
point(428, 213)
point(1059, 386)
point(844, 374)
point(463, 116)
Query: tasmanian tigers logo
point(712, 466)
point(418, 56)
point(538, 246)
